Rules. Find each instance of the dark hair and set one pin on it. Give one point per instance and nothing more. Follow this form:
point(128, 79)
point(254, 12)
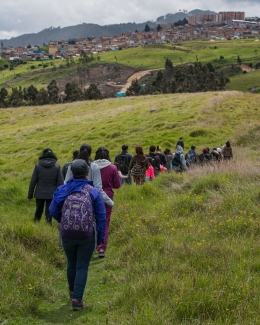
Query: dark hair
point(152, 148)
point(228, 144)
point(85, 153)
point(75, 154)
point(47, 153)
point(124, 147)
point(167, 151)
point(102, 153)
point(139, 150)
point(117, 165)
point(193, 147)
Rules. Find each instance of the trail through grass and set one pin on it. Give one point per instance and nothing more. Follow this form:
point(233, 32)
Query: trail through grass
point(182, 250)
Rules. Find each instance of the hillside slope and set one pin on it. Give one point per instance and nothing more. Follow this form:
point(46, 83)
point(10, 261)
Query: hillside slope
point(182, 249)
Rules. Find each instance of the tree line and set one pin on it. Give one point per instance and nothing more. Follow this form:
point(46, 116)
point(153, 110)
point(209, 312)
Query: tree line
point(28, 96)
point(195, 77)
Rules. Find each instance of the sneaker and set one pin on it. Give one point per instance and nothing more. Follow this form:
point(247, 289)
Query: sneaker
point(77, 304)
point(101, 254)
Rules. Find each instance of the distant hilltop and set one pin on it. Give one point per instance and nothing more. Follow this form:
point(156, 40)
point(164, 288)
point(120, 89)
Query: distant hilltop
point(90, 30)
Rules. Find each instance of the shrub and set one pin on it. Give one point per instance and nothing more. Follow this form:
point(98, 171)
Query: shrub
point(198, 133)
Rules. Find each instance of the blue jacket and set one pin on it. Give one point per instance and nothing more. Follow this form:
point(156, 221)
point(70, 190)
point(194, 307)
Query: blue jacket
point(76, 185)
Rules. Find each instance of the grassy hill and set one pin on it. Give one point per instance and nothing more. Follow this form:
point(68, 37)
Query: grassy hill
point(142, 58)
point(182, 250)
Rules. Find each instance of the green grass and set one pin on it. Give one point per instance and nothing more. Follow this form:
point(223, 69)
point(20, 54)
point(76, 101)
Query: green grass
point(182, 250)
point(243, 82)
point(146, 57)
point(153, 56)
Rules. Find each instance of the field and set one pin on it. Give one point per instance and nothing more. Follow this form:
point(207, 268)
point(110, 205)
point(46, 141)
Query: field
point(183, 249)
point(141, 58)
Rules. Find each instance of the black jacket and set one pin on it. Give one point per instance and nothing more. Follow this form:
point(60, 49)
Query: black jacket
point(45, 179)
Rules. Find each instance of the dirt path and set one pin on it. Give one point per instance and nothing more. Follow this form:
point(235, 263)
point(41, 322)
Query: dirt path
point(247, 68)
point(137, 75)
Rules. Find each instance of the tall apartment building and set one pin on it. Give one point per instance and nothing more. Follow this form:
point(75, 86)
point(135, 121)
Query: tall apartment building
point(221, 17)
point(230, 15)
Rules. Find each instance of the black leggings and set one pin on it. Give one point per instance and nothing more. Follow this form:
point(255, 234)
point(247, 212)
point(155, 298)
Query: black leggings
point(39, 209)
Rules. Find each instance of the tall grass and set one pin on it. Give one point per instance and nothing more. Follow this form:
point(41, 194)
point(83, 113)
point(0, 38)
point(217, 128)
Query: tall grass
point(183, 249)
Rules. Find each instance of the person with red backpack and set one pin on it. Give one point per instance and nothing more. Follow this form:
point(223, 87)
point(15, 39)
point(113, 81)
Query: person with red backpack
point(76, 205)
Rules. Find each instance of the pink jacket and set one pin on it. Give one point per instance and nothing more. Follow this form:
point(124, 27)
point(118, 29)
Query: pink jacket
point(150, 172)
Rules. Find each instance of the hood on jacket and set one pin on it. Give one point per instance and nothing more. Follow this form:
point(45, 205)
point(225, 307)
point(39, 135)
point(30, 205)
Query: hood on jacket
point(179, 149)
point(47, 162)
point(102, 163)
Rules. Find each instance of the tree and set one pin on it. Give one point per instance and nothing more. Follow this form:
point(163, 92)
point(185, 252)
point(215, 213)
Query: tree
point(73, 92)
point(159, 27)
point(147, 29)
point(30, 94)
point(3, 97)
point(168, 64)
point(92, 92)
point(53, 92)
point(16, 97)
point(42, 98)
point(29, 46)
point(134, 88)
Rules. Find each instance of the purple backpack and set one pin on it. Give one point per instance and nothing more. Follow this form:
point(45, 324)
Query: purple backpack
point(77, 219)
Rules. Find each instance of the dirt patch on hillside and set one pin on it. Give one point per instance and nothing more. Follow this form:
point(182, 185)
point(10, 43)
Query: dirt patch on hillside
point(109, 78)
point(137, 75)
point(246, 68)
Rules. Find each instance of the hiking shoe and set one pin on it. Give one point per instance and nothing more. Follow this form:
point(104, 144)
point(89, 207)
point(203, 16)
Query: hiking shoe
point(101, 254)
point(77, 304)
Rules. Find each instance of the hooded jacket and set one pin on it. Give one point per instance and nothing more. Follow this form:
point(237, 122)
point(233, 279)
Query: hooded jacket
point(109, 176)
point(76, 185)
point(46, 177)
point(94, 176)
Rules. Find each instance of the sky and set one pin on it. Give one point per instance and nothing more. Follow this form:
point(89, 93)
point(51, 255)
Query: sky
point(19, 17)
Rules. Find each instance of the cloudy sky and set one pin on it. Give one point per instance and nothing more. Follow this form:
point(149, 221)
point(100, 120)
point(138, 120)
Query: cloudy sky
point(19, 17)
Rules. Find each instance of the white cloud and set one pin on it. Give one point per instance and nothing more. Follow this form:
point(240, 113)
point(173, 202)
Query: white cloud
point(28, 16)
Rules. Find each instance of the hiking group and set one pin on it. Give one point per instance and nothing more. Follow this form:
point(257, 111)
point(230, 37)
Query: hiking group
point(80, 196)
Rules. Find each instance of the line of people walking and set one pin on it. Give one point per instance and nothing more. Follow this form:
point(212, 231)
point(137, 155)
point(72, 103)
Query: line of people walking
point(80, 196)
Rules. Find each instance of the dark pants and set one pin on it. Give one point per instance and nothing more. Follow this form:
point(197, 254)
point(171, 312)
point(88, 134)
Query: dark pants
point(126, 180)
point(39, 209)
point(78, 252)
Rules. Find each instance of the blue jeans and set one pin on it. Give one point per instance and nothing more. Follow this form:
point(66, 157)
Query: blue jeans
point(126, 180)
point(78, 252)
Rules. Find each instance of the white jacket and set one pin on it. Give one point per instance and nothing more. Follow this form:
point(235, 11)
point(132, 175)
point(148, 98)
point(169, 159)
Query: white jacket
point(95, 177)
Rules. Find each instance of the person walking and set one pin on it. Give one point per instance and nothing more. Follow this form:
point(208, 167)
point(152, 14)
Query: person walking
point(169, 158)
point(227, 151)
point(46, 177)
point(138, 166)
point(64, 170)
point(180, 142)
point(75, 206)
point(110, 180)
point(179, 162)
point(123, 160)
point(94, 172)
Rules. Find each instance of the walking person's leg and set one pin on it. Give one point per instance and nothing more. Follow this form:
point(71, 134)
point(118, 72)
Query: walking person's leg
point(70, 248)
point(39, 209)
point(47, 212)
point(102, 248)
